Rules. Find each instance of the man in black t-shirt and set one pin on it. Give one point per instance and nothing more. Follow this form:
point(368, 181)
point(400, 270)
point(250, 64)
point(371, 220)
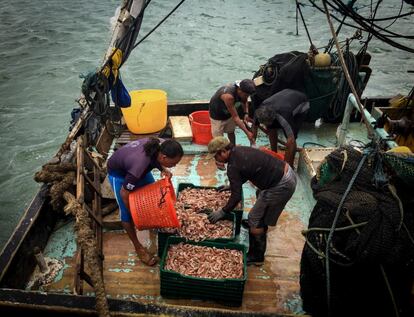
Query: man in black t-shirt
point(274, 178)
point(287, 110)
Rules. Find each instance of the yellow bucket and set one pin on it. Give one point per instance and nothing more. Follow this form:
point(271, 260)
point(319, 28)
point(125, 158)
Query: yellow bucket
point(148, 111)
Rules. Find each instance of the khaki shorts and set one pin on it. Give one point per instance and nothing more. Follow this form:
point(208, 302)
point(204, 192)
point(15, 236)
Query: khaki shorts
point(219, 127)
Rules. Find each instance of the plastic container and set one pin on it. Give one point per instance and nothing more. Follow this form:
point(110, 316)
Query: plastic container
point(226, 291)
point(152, 206)
point(238, 211)
point(201, 127)
point(272, 153)
point(148, 111)
point(163, 236)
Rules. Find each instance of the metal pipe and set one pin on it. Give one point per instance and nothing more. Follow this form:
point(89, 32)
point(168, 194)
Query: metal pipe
point(352, 103)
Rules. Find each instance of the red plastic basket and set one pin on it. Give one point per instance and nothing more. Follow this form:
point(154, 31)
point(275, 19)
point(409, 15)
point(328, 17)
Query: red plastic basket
point(201, 127)
point(272, 153)
point(152, 206)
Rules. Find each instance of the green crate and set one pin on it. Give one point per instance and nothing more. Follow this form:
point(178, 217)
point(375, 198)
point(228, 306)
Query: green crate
point(226, 291)
point(163, 236)
point(238, 211)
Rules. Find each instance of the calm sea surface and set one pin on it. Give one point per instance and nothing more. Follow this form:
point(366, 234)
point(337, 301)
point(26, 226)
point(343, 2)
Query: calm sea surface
point(45, 45)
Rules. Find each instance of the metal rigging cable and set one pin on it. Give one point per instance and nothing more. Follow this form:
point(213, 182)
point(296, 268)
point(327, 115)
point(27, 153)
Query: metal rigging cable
point(366, 24)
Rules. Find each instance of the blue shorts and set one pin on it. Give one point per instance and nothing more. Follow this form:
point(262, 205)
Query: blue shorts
point(116, 182)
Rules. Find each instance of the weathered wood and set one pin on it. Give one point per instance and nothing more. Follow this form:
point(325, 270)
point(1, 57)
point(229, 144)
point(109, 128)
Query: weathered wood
point(27, 303)
point(16, 259)
point(104, 142)
point(75, 130)
point(80, 183)
point(96, 207)
point(112, 221)
point(181, 129)
point(128, 136)
point(92, 183)
point(78, 285)
point(80, 188)
point(92, 214)
point(185, 108)
point(106, 189)
point(92, 160)
point(84, 276)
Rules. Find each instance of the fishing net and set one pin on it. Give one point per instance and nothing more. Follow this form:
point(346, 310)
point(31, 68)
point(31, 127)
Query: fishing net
point(371, 230)
point(403, 165)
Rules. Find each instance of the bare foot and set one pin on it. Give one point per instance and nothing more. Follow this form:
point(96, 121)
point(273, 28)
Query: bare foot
point(146, 257)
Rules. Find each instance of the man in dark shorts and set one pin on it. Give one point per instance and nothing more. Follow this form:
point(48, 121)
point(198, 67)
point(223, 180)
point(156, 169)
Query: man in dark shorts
point(274, 178)
point(286, 109)
point(223, 112)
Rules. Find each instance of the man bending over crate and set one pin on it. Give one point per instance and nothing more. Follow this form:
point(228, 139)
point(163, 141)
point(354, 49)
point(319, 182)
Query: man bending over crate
point(276, 183)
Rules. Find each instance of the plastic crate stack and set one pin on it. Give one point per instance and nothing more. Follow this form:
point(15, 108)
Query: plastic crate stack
point(228, 291)
point(176, 285)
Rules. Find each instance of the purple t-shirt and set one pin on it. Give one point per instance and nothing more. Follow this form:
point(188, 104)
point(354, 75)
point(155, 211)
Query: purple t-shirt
point(132, 163)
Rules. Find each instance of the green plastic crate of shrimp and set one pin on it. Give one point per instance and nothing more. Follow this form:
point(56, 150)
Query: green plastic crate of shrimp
point(238, 210)
point(228, 292)
point(163, 236)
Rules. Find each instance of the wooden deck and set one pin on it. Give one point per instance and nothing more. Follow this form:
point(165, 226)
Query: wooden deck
point(272, 288)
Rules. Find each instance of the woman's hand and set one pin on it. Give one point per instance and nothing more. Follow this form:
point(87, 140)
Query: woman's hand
point(166, 173)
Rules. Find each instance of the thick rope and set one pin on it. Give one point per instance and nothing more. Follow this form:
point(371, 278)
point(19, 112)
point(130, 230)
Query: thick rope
point(87, 241)
point(62, 177)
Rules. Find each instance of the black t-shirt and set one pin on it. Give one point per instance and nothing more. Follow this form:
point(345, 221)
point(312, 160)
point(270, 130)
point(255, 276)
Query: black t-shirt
point(217, 108)
point(291, 107)
point(250, 164)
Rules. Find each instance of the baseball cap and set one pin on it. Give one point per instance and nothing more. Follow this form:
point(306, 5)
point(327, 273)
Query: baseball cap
point(246, 85)
point(216, 144)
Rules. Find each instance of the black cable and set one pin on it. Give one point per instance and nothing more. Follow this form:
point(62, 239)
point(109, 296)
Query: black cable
point(344, 9)
point(312, 143)
point(296, 17)
point(360, 20)
point(332, 41)
point(304, 24)
point(161, 22)
point(399, 13)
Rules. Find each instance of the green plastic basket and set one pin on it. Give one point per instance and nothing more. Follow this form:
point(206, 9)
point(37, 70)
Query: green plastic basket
point(238, 211)
point(403, 165)
point(226, 291)
point(163, 236)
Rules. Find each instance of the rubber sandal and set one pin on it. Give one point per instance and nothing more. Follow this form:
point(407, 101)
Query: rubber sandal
point(150, 261)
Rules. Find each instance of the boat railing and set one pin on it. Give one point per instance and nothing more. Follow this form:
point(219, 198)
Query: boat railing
point(343, 130)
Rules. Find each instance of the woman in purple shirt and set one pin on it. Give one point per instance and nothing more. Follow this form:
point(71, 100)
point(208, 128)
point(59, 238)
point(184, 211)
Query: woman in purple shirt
point(130, 168)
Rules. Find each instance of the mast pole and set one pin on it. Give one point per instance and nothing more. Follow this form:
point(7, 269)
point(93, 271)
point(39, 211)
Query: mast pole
point(345, 70)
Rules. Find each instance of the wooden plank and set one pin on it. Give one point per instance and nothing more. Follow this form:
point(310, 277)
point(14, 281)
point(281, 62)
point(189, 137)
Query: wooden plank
point(106, 189)
point(104, 141)
point(127, 136)
point(181, 129)
point(80, 190)
point(96, 206)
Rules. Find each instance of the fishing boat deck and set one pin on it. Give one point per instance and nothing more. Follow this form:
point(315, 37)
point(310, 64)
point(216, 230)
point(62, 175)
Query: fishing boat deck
point(272, 288)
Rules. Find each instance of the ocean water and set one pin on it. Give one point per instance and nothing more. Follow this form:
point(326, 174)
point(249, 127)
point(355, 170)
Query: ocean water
point(45, 45)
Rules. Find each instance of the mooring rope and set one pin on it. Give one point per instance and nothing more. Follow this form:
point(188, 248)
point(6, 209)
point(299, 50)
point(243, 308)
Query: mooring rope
point(87, 241)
